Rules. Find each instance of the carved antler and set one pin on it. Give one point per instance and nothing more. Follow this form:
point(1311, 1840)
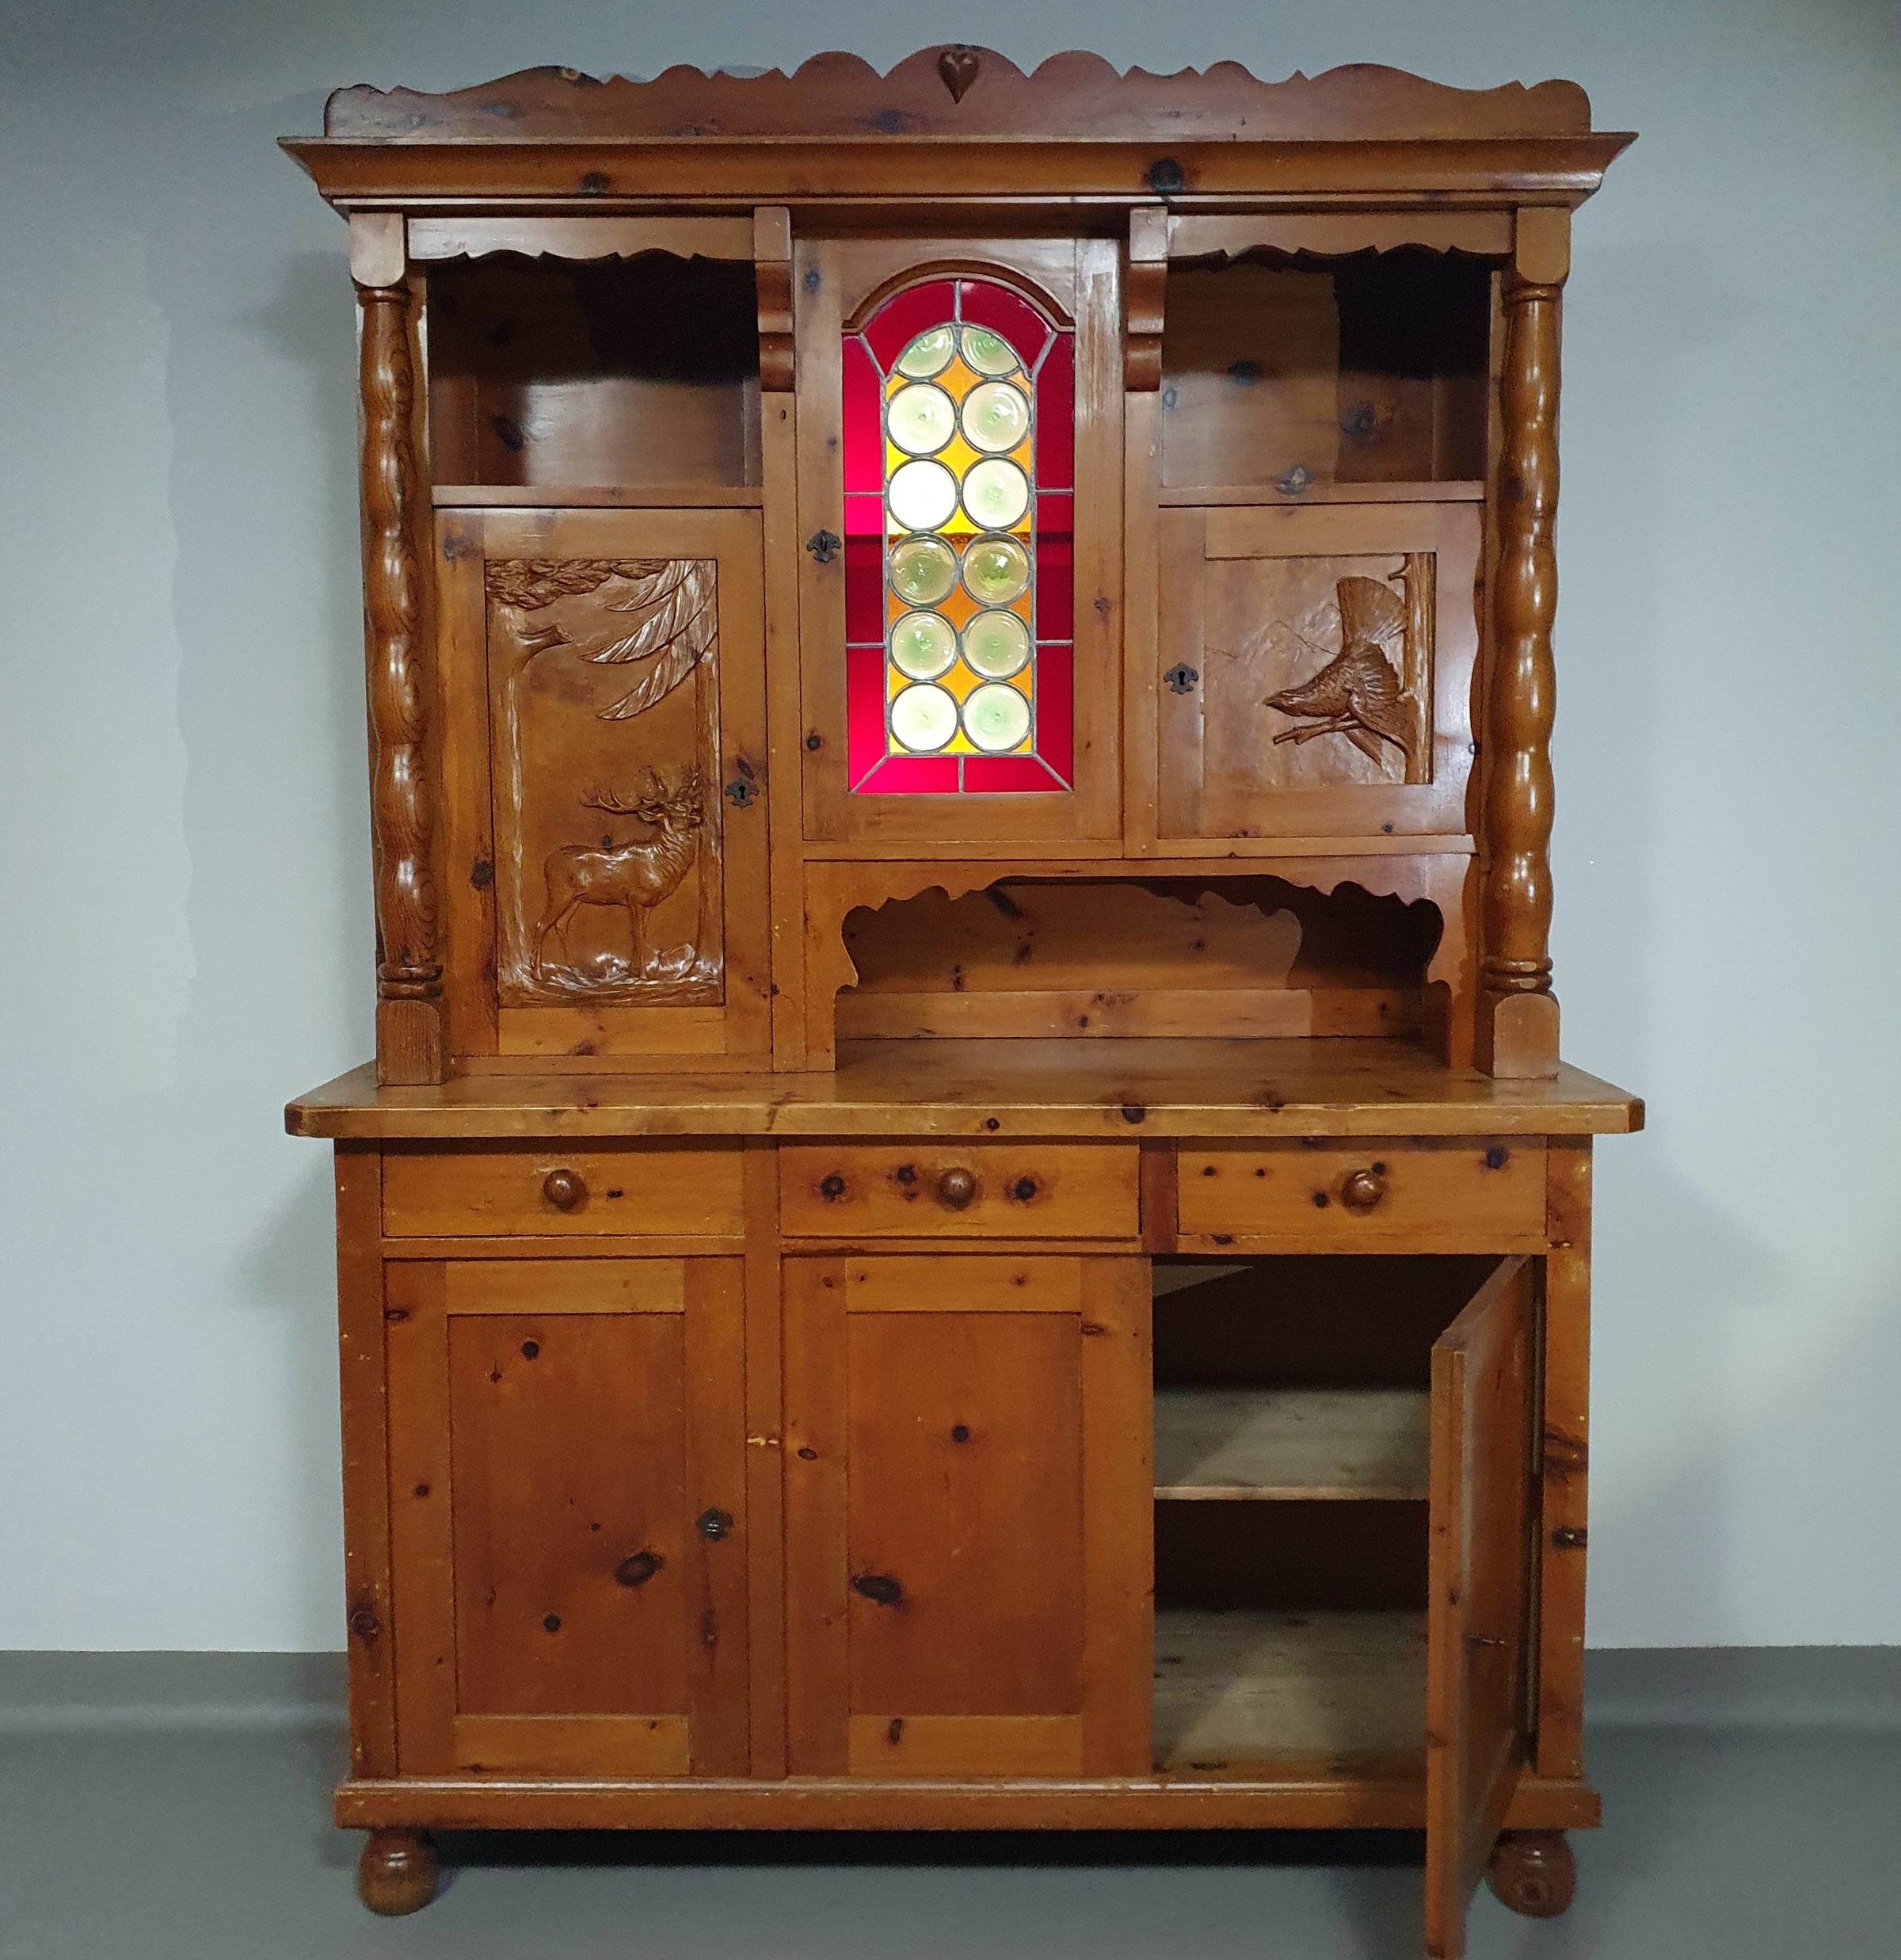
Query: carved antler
point(619, 806)
point(659, 795)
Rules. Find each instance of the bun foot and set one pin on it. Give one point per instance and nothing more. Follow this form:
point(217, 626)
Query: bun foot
point(397, 1872)
point(1533, 1873)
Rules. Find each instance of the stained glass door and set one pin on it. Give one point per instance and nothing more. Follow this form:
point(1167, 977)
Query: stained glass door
point(953, 685)
point(958, 408)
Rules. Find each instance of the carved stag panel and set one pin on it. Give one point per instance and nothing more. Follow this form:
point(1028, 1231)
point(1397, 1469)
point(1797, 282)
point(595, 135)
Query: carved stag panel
point(604, 728)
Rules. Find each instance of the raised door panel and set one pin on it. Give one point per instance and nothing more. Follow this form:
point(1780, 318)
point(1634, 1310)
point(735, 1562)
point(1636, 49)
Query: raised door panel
point(968, 1508)
point(567, 1516)
point(959, 470)
point(1479, 1635)
point(603, 704)
point(1314, 674)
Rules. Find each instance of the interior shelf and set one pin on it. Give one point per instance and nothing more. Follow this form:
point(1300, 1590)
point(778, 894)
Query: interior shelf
point(1304, 1443)
point(1452, 490)
point(599, 496)
point(1234, 1687)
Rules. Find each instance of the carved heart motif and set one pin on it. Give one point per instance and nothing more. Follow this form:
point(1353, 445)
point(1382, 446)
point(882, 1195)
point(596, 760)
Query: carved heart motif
point(958, 66)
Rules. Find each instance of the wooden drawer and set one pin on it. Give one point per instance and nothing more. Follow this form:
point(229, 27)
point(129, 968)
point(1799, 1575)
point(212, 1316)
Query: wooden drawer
point(1460, 1193)
point(1033, 1190)
point(646, 1190)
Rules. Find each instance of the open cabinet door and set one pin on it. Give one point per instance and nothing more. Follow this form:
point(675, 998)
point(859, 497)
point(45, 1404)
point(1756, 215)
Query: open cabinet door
point(1478, 1629)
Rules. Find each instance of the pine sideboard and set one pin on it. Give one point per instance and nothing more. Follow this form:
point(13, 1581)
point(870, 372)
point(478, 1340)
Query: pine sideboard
point(967, 1214)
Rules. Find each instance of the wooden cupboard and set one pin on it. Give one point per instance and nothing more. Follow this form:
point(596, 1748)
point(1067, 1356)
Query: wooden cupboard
point(967, 1213)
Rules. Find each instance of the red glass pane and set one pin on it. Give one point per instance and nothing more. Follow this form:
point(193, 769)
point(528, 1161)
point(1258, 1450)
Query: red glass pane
point(864, 710)
point(913, 775)
point(1000, 310)
point(1055, 687)
point(905, 315)
point(1055, 586)
point(1009, 776)
point(864, 448)
point(1056, 417)
point(865, 516)
point(864, 590)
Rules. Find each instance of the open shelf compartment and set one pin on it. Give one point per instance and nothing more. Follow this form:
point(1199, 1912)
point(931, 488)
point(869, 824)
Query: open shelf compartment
point(1299, 375)
point(1292, 1411)
point(560, 375)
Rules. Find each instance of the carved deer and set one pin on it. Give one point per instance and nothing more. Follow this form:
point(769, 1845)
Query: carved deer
point(639, 876)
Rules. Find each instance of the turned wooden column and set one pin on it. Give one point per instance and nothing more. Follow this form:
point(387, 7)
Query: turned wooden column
point(410, 1044)
point(1518, 1032)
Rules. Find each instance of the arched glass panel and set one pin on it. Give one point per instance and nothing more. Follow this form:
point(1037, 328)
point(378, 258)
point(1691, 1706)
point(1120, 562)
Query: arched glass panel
point(959, 401)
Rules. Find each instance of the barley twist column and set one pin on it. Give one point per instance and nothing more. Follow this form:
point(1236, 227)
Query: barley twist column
point(409, 970)
point(1517, 1012)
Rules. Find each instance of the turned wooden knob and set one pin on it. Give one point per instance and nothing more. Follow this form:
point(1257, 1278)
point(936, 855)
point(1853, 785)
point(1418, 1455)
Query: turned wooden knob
point(956, 1187)
point(1364, 1189)
point(565, 1189)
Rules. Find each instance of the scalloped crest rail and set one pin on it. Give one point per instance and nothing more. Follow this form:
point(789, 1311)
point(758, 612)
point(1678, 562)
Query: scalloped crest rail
point(1075, 95)
point(793, 1201)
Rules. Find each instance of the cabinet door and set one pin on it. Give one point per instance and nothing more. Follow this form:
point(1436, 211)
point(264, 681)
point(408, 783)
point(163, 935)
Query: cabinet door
point(960, 491)
point(1479, 1612)
point(567, 1515)
point(603, 680)
point(969, 1515)
point(1315, 669)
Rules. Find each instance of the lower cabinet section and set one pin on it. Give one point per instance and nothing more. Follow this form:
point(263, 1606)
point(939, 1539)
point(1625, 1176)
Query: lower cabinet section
point(967, 1496)
point(567, 1515)
point(1243, 1528)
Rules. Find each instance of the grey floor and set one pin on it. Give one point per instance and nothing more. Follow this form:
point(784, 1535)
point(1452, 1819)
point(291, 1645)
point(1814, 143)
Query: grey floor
point(1735, 1832)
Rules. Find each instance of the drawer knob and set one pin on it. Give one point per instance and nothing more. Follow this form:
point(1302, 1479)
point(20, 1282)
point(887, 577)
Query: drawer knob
point(1363, 1190)
point(713, 1524)
point(565, 1190)
point(956, 1187)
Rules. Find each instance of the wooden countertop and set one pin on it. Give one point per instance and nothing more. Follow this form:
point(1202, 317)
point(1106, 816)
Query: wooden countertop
point(976, 1088)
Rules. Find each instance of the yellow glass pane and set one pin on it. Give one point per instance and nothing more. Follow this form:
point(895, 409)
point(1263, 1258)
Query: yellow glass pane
point(957, 607)
point(957, 455)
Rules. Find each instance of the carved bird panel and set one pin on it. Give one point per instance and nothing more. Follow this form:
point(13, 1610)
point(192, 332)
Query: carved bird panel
point(1310, 681)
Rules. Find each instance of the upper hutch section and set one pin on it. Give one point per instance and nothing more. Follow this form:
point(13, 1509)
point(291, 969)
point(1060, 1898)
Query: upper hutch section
point(956, 554)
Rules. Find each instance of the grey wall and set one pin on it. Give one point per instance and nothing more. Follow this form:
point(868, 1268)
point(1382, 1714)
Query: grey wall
point(186, 897)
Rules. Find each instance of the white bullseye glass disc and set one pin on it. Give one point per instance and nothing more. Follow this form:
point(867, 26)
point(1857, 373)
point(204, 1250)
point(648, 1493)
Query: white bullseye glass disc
point(988, 352)
point(922, 495)
point(922, 570)
point(929, 354)
point(996, 493)
point(997, 416)
point(996, 645)
point(997, 718)
point(922, 646)
point(923, 720)
point(922, 418)
point(995, 570)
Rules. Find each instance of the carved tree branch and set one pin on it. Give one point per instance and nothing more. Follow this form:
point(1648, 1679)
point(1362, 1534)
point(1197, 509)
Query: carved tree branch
point(408, 965)
point(1516, 904)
